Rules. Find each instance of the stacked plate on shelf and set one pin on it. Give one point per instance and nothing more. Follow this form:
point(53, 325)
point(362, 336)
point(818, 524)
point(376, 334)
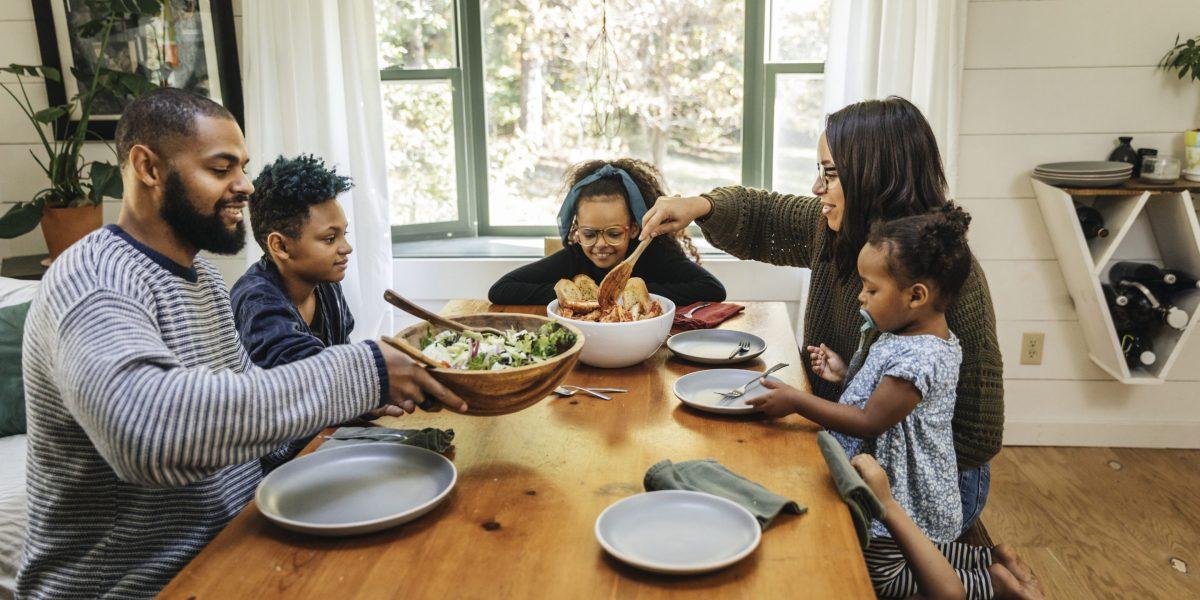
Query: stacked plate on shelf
point(1090, 173)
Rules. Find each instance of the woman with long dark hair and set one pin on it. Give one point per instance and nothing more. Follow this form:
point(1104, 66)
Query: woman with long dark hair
point(878, 160)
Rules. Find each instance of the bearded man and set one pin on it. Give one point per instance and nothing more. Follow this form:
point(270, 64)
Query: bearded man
point(146, 417)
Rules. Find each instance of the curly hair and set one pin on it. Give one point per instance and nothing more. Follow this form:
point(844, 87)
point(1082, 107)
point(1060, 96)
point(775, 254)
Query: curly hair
point(284, 191)
point(931, 247)
point(646, 176)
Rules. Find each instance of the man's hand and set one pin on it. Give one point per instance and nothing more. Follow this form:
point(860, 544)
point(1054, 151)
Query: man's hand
point(409, 383)
point(672, 213)
point(826, 363)
point(390, 410)
point(781, 401)
point(874, 475)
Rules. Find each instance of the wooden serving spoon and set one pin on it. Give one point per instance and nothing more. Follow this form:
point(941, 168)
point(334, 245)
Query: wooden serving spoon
point(614, 283)
point(412, 352)
point(429, 404)
point(411, 308)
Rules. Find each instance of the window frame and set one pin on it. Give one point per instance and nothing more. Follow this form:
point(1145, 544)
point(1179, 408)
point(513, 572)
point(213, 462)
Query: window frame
point(469, 108)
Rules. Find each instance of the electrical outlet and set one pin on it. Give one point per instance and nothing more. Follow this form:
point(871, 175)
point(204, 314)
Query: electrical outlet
point(1031, 348)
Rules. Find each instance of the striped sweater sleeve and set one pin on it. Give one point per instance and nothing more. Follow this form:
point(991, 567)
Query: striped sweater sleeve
point(158, 423)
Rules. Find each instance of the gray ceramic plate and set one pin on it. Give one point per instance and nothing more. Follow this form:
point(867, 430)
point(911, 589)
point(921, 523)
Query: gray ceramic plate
point(712, 346)
point(356, 489)
point(699, 390)
point(1085, 167)
point(677, 532)
point(1069, 181)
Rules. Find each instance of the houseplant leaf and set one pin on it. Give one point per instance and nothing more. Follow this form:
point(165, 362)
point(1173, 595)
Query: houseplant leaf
point(135, 84)
point(106, 182)
point(124, 84)
point(49, 115)
point(22, 218)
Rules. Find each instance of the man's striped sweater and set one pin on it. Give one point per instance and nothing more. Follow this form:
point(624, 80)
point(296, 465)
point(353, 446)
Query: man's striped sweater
point(147, 419)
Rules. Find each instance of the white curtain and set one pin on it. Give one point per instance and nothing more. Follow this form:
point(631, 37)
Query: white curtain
point(312, 86)
point(908, 48)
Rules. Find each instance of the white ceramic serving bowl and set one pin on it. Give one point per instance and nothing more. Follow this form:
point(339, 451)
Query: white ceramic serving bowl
point(615, 345)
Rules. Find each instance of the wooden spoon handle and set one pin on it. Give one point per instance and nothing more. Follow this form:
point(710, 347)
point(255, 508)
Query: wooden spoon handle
point(411, 351)
point(633, 258)
point(411, 308)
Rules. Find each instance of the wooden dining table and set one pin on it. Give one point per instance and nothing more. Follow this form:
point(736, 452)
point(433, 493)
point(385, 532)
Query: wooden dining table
point(520, 522)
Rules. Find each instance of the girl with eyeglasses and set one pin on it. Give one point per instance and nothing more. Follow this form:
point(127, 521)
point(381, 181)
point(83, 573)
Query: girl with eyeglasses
point(599, 227)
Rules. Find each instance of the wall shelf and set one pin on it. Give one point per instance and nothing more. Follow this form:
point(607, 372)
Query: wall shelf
point(1153, 224)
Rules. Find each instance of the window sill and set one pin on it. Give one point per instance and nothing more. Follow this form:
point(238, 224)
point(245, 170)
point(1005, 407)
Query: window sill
point(529, 247)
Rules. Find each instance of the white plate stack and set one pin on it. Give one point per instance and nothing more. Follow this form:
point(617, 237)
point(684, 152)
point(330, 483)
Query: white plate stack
point(1090, 173)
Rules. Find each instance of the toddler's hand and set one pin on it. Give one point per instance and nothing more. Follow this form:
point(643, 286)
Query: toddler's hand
point(779, 402)
point(874, 475)
point(827, 364)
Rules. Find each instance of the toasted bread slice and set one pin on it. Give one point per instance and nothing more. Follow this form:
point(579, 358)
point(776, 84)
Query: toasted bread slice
point(635, 294)
point(587, 286)
point(567, 291)
point(580, 306)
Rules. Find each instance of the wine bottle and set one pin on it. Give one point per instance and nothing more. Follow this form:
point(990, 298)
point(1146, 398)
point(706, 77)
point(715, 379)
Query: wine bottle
point(1091, 221)
point(1144, 273)
point(1113, 298)
point(1145, 310)
point(1138, 350)
point(1182, 282)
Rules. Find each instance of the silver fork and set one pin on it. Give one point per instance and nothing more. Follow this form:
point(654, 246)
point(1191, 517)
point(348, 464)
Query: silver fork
point(727, 398)
point(571, 390)
point(688, 314)
point(743, 346)
point(380, 436)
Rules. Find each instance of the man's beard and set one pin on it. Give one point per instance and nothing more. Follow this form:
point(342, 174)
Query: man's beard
point(204, 232)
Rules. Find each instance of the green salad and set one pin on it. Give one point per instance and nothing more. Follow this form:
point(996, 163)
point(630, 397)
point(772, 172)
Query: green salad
point(490, 352)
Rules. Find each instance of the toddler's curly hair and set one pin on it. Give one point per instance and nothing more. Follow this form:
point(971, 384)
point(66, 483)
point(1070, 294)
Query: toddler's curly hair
point(930, 247)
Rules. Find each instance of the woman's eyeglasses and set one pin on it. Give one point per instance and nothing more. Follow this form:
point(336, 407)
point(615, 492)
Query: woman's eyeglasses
point(828, 174)
point(612, 235)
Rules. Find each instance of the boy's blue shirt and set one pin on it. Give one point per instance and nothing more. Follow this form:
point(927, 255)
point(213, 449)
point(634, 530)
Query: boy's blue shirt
point(271, 327)
point(274, 333)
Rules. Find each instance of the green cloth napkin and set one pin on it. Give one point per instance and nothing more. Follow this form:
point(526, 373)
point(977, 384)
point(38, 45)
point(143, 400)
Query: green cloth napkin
point(864, 506)
point(430, 438)
point(712, 477)
point(12, 386)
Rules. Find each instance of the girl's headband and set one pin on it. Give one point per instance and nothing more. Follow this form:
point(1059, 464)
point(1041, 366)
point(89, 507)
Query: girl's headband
point(566, 214)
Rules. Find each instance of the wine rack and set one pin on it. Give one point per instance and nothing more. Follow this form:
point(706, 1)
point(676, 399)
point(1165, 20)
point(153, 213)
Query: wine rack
point(1157, 226)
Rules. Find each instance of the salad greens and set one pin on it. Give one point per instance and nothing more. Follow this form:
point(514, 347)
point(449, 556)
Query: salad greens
point(490, 352)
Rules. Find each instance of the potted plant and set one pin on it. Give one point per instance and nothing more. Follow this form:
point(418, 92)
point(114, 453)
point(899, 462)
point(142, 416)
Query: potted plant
point(1184, 57)
point(70, 205)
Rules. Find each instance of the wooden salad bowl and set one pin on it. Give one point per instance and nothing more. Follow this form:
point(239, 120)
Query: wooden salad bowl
point(505, 391)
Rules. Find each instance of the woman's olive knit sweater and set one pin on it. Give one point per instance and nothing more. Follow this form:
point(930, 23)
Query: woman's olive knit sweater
point(789, 230)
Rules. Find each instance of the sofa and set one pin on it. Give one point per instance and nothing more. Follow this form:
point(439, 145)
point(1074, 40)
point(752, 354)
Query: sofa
point(12, 469)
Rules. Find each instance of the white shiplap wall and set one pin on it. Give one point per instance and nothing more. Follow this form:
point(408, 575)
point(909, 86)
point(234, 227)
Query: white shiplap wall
point(20, 177)
point(1050, 80)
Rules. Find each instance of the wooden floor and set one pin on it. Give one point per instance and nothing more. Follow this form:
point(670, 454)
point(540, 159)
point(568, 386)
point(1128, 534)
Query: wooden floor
point(1101, 522)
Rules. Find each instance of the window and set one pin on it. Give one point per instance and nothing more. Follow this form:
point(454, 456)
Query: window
point(488, 102)
point(798, 39)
